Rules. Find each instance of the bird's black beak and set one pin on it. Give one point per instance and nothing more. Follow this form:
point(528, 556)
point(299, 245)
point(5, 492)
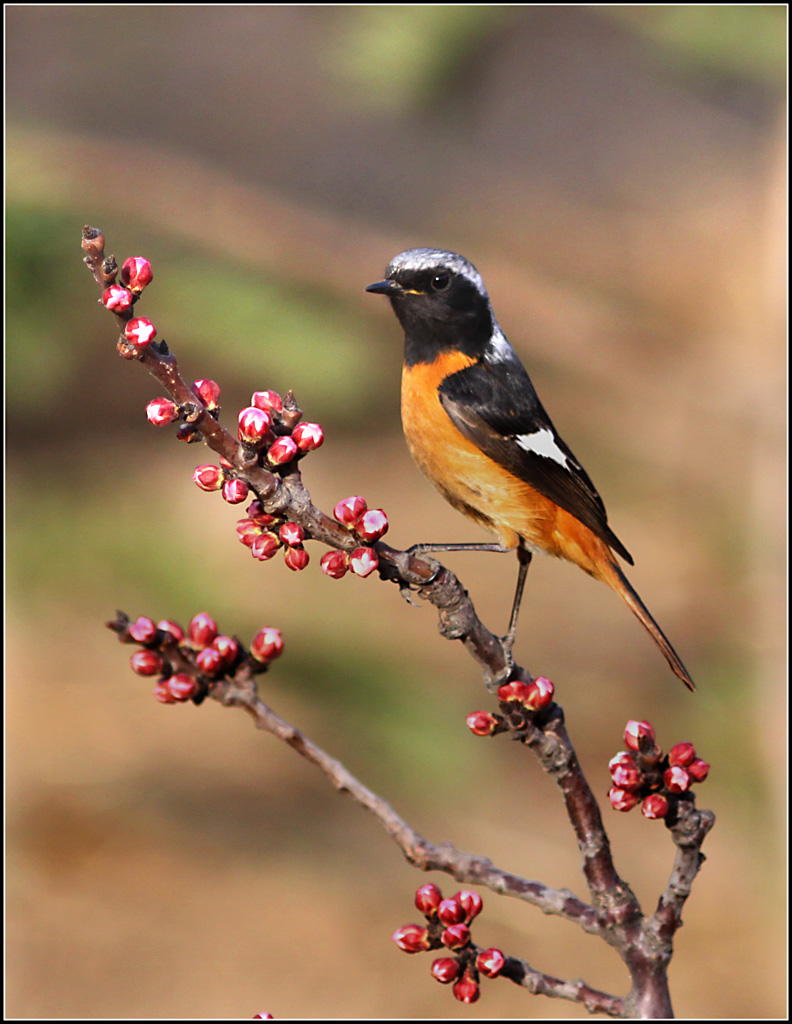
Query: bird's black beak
point(384, 288)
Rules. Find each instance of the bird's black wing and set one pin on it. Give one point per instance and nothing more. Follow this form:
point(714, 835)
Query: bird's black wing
point(494, 405)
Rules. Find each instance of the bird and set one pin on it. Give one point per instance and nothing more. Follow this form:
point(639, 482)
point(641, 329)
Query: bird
point(476, 428)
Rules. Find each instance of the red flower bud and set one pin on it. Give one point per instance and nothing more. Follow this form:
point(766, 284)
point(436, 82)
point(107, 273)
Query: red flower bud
point(628, 777)
point(267, 644)
point(282, 451)
point(162, 411)
point(146, 663)
point(210, 661)
point(291, 534)
point(371, 525)
point(348, 510)
point(428, 898)
point(208, 478)
point(208, 391)
point(456, 936)
point(482, 723)
point(635, 731)
point(235, 491)
point(117, 299)
point(181, 686)
point(512, 691)
point(140, 331)
point(446, 969)
point(256, 512)
point(334, 564)
point(308, 436)
point(538, 694)
point(698, 770)
point(173, 628)
point(655, 806)
point(681, 754)
point(163, 694)
point(622, 799)
point(490, 962)
point(254, 425)
point(265, 546)
point(143, 630)
point(471, 903)
point(136, 273)
point(622, 758)
point(450, 912)
point(676, 779)
point(202, 629)
point(466, 990)
point(296, 558)
point(363, 561)
point(412, 938)
point(227, 648)
point(247, 531)
point(269, 400)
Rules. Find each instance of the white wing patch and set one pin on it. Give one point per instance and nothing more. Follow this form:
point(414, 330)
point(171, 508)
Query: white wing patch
point(542, 442)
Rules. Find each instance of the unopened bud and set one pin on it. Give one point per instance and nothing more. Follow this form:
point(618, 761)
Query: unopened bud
point(269, 400)
point(490, 962)
point(161, 411)
point(308, 436)
point(296, 558)
point(267, 644)
point(348, 510)
point(140, 331)
point(143, 630)
point(538, 694)
point(482, 723)
point(136, 273)
point(334, 564)
point(622, 799)
point(208, 391)
point(635, 732)
point(202, 629)
point(412, 938)
point(698, 770)
point(371, 525)
point(117, 299)
point(281, 451)
point(235, 491)
point(655, 806)
point(254, 425)
point(446, 969)
point(676, 779)
point(363, 561)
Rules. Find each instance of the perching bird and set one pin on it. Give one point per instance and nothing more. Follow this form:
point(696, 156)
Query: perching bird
point(475, 426)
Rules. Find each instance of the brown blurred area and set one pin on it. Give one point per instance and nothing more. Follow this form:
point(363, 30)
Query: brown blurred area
point(618, 176)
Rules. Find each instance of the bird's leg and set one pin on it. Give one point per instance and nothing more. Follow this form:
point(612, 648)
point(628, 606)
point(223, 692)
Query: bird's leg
point(524, 558)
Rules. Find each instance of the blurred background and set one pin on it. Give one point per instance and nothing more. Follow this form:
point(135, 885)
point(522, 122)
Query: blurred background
point(618, 176)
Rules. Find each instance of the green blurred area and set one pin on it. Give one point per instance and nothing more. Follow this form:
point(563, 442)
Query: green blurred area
point(618, 175)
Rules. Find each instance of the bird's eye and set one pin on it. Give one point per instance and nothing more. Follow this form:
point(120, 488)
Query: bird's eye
point(441, 281)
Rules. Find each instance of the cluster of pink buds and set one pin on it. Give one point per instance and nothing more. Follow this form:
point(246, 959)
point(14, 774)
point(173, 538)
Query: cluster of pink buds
point(188, 662)
point(517, 701)
point(448, 925)
point(135, 275)
point(643, 775)
point(368, 525)
point(265, 535)
point(270, 427)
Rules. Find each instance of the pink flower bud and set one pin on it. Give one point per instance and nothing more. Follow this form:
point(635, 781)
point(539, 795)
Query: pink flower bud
point(676, 779)
point(635, 731)
point(348, 510)
point(681, 754)
point(267, 644)
point(698, 770)
point(446, 969)
point(655, 806)
point(466, 990)
point(412, 938)
point(163, 694)
point(363, 561)
point(143, 630)
point(247, 531)
point(296, 558)
point(202, 629)
point(291, 534)
point(117, 299)
point(210, 661)
point(181, 686)
point(146, 663)
point(428, 899)
point(450, 912)
point(456, 936)
point(256, 512)
point(371, 525)
point(140, 331)
point(281, 451)
point(471, 903)
point(265, 546)
point(490, 962)
point(628, 777)
point(235, 491)
point(254, 425)
point(173, 628)
point(334, 564)
point(136, 273)
point(208, 391)
point(227, 648)
point(622, 758)
point(622, 799)
point(538, 694)
point(161, 411)
point(269, 400)
point(308, 436)
point(482, 723)
point(513, 691)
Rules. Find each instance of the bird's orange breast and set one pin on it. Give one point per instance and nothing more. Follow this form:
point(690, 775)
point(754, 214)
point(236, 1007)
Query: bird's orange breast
point(478, 486)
